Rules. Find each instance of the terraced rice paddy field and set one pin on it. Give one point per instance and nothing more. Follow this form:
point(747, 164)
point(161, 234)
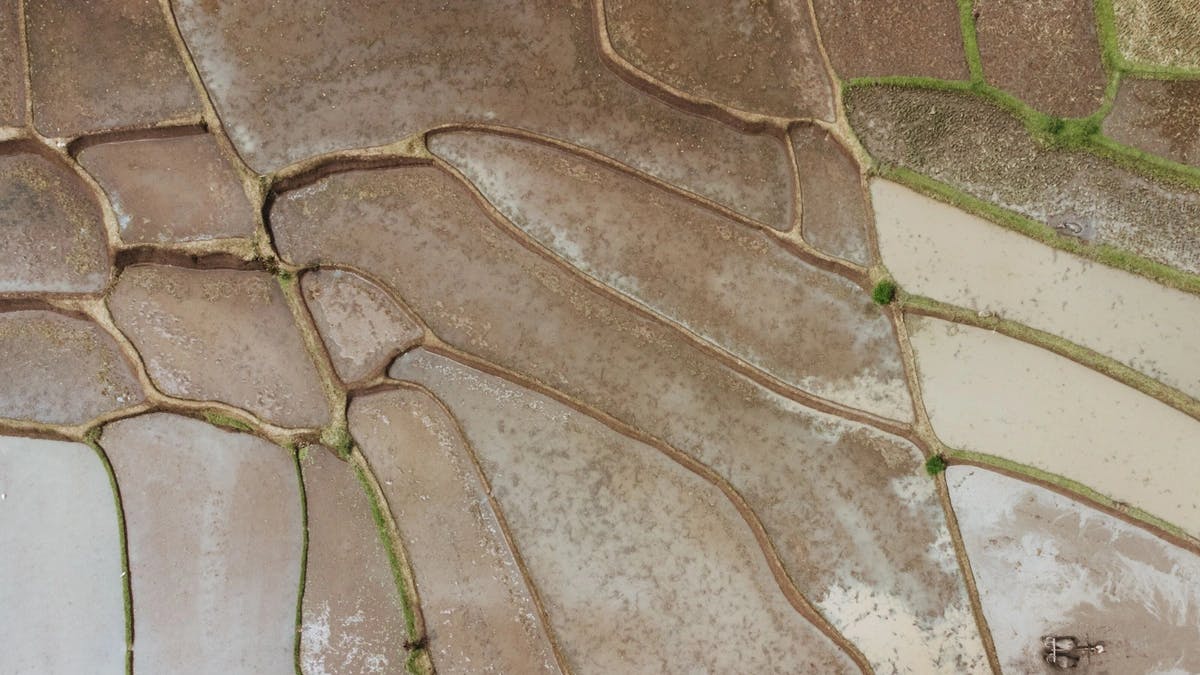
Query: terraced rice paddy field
point(599, 336)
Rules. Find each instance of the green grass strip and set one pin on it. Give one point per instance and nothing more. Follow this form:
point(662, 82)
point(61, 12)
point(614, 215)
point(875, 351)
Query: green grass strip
point(385, 536)
point(1106, 34)
point(970, 38)
point(1110, 55)
point(223, 420)
point(1102, 253)
point(1071, 486)
point(910, 81)
point(303, 558)
point(1155, 72)
point(93, 440)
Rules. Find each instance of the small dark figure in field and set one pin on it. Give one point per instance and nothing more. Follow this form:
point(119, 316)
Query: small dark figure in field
point(1065, 652)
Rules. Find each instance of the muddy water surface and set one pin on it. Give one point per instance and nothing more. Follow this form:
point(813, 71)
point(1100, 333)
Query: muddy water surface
point(993, 394)
point(1048, 565)
point(936, 250)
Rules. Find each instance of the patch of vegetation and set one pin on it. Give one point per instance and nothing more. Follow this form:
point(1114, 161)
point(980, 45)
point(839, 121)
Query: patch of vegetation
point(227, 421)
point(970, 38)
point(935, 465)
point(418, 662)
point(884, 292)
point(338, 437)
point(1060, 132)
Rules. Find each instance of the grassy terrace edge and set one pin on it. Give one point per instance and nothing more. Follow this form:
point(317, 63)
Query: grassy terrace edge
point(417, 661)
point(296, 460)
point(1074, 487)
point(92, 440)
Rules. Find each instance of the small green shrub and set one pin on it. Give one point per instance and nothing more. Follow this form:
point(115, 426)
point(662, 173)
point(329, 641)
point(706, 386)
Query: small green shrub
point(935, 465)
point(1066, 133)
point(884, 292)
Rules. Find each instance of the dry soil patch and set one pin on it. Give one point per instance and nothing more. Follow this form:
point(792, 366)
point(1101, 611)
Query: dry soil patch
point(54, 239)
point(834, 214)
point(171, 189)
point(1159, 117)
point(353, 622)
point(1044, 52)
point(104, 64)
point(871, 38)
point(363, 328)
point(220, 335)
point(758, 57)
point(61, 369)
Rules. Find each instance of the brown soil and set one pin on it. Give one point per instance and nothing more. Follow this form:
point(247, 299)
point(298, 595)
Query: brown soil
point(730, 283)
point(220, 335)
point(59, 369)
point(54, 238)
point(835, 217)
point(757, 57)
point(530, 65)
point(1159, 117)
point(171, 189)
point(516, 309)
point(478, 611)
point(12, 75)
point(104, 65)
point(1044, 52)
point(870, 38)
point(362, 326)
point(579, 496)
